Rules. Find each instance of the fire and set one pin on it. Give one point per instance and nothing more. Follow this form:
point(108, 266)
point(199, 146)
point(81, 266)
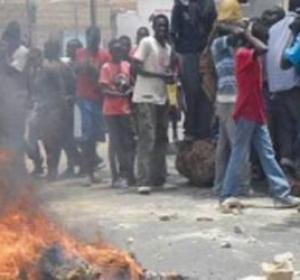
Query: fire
point(26, 232)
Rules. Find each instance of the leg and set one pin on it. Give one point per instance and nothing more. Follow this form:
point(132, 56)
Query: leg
point(278, 184)
point(243, 135)
point(199, 109)
point(222, 157)
point(146, 140)
point(88, 153)
point(284, 131)
point(69, 144)
point(127, 144)
point(293, 103)
point(53, 156)
point(113, 131)
point(32, 146)
point(114, 169)
point(158, 156)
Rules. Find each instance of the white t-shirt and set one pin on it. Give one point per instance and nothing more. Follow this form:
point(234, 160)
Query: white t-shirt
point(19, 58)
point(156, 59)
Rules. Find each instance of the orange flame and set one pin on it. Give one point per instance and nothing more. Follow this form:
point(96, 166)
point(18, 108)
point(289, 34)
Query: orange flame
point(25, 232)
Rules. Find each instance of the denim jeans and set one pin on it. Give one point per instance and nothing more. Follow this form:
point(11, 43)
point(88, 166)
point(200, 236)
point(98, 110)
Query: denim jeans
point(224, 147)
point(249, 132)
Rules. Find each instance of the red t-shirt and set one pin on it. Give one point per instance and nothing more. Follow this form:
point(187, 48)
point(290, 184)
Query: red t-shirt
point(113, 106)
point(86, 86)
point(250, 103)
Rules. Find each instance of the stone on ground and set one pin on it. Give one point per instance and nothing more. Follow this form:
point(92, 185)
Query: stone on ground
point(196, 162)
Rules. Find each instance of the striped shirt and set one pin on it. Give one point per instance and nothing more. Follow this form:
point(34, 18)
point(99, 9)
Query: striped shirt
point(223, 56)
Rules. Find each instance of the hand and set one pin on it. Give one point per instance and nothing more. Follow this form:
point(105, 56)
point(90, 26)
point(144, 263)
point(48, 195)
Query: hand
point(237, 30)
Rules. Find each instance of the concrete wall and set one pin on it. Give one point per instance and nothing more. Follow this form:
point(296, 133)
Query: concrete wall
point(56, 17)
point(128, 22)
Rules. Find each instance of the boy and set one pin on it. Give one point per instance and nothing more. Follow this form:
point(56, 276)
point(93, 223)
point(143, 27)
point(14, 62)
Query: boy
point(250, 118)
point(115, 83)
point(88, 123)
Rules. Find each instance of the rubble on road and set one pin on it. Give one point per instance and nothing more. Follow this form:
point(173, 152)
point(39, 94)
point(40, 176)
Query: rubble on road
point(204, 219)
point(130, 240)
point(232, 206)
point(168, 217)
point(57, 263)
point(238, 229)
point(226, 245)
point(280, 269)
point(144, 190)
point(254, 278)
point(149, 275)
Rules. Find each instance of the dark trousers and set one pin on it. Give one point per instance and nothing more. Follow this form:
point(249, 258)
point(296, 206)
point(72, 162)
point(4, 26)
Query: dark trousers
point(33, 136)
point(88, 149)
point(122, 146)
point(199, 109)
point(69, 144)
point(152, 143)
point(53, 151)
point(53, 127)
point(33, 152)
point(285, 116)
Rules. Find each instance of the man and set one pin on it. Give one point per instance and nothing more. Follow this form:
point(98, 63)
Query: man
point(192, 22)
point(152, 63)
point(284, 85)
point(89, 121)
point(250, 117)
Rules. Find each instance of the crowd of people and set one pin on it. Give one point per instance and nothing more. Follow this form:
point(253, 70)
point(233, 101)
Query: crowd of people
point(128, 94)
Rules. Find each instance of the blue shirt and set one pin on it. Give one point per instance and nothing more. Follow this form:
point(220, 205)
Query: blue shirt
point(223, 56)
point(292, 54)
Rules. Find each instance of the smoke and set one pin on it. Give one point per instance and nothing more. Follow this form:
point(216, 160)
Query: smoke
point(13, 98)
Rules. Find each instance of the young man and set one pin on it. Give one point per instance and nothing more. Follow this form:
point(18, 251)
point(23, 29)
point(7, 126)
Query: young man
point(250, 118)
point(223, 56)
point(89, 124)
point(152, 63)
point(115, 82)
point(192, 22)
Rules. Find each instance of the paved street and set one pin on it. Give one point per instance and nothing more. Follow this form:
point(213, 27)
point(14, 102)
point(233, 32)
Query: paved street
point(178, 229)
